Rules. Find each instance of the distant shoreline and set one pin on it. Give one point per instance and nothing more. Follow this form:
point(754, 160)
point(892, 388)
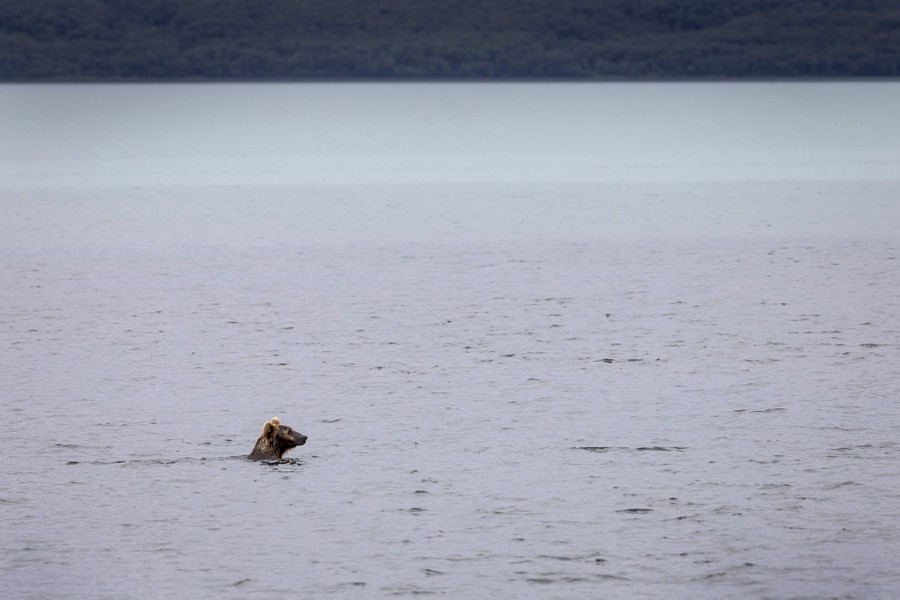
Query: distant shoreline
point(463, 40)
point(437, 80)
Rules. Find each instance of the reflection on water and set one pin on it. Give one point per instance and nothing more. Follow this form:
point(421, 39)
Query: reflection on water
point(589, 386)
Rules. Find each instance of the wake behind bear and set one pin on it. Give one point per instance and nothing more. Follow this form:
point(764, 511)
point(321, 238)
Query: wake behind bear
point(275, 440)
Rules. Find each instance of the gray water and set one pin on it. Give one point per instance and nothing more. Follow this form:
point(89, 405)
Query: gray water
point(547, 341)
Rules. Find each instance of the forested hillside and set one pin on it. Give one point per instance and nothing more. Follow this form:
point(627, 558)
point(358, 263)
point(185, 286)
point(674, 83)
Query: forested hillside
point(47, 40)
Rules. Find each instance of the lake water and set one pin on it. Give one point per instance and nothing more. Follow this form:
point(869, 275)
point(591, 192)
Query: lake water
point(546, 340)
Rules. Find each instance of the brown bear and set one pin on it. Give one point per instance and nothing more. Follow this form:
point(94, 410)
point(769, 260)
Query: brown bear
point(275, 440)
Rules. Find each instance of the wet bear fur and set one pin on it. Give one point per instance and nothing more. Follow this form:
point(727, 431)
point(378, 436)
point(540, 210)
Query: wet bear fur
point(275, 440)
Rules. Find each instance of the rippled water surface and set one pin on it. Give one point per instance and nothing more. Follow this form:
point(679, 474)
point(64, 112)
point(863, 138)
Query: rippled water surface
point(546, 341)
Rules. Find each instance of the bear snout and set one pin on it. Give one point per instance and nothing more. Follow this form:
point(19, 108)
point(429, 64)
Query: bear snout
point(300, 439)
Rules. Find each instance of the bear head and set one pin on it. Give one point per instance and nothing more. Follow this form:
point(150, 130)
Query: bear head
point(275, 440)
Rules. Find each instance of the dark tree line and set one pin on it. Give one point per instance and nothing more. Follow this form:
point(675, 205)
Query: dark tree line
point(53, 40)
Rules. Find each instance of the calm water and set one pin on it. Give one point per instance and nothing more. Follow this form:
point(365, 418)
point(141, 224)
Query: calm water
point(547, 341)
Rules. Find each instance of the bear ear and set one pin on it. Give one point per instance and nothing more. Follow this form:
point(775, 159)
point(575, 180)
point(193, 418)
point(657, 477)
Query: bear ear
point(269, 430)
point(275, 421)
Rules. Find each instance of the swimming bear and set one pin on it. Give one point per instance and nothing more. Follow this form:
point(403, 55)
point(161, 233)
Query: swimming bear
point(275, 440)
